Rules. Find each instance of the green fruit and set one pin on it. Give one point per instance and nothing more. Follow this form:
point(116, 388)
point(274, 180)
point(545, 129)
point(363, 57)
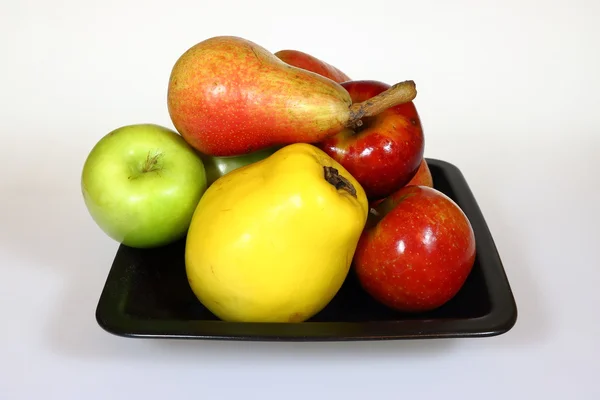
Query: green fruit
point(216, 167)
point(141, 184)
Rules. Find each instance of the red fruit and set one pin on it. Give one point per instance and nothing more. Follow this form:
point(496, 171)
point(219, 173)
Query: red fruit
point(310, 63)
point(416, 251)
point(385, 152)
point(228, 96)
point(422, 177)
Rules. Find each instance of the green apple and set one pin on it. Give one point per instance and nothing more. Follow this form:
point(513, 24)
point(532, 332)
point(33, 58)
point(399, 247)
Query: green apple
point(141, 185)
point(216, 167)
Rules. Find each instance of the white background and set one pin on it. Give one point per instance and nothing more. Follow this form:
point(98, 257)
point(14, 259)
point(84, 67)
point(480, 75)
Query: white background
point(508, 92)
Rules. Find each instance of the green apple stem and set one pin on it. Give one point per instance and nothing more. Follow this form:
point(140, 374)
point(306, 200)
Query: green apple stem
point(400, 93)
point(339, 182)
point(151, 163)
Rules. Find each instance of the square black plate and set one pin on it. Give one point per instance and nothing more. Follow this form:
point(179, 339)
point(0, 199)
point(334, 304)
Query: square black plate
point(147, 295)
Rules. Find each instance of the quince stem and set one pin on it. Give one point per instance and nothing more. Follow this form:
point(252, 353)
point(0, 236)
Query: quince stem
point(338, 181)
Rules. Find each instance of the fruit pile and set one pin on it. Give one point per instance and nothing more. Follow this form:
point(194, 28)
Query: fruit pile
point(283, 175)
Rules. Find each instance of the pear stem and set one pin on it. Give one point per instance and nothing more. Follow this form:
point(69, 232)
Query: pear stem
point(402, 92)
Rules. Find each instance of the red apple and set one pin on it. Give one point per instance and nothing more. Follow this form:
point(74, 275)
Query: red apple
point(422, 177)
point(416, 251)
point(384, 153)
point(313, 64)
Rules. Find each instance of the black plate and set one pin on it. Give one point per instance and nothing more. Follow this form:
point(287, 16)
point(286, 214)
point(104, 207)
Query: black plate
point(147, 295)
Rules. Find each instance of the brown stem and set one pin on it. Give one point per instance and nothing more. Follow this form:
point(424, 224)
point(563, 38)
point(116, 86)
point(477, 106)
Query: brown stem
point(402, 92)
point(151, 162)
point(339, 182)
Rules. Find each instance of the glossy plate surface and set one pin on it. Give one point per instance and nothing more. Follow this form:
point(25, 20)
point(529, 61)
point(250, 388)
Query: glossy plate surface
point(147, 295)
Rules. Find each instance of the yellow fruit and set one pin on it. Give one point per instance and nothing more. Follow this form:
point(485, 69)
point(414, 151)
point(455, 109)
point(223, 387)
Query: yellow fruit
point(273, 241)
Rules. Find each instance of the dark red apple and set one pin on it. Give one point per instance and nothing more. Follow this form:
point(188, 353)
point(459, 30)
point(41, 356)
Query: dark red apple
point(313, 64)
point(384, 153)
point(416, 251)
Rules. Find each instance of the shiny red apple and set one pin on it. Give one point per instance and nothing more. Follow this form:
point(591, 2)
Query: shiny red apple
point(416, 251)
point(385, 152)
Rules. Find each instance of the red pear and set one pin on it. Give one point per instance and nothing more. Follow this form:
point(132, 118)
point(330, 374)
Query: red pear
point(228, 96)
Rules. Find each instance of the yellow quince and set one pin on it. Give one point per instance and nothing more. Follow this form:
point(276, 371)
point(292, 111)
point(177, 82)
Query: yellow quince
point(273, 241)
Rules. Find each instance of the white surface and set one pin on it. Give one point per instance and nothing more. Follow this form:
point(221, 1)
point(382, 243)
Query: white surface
point(507, 92)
